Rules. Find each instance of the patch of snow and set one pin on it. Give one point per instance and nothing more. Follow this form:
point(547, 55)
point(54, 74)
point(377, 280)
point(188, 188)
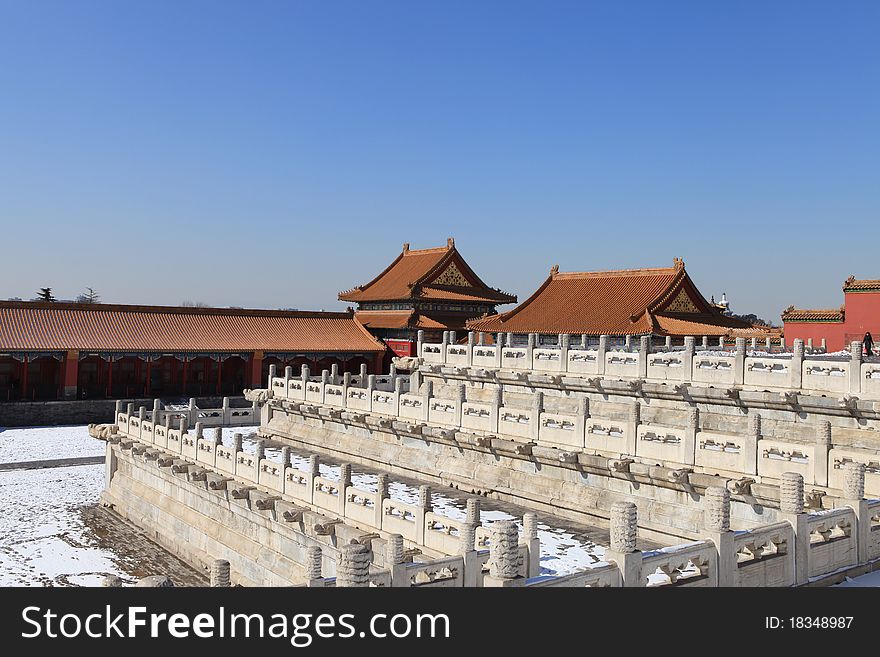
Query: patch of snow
point(43, 443)
point(43, 540)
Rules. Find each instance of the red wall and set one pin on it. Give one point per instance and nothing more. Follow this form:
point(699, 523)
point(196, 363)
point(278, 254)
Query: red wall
point(862, 314)
point(832, 332)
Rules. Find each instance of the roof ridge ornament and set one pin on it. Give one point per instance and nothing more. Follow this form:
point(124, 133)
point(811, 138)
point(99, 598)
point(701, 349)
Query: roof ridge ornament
point(678, 263)
point(554, 270)
point(406, 247)
point(450, 242)
point(849, 281)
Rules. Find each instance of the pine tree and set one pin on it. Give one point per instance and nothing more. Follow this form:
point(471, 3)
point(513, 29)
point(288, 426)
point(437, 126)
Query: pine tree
point(45, 294)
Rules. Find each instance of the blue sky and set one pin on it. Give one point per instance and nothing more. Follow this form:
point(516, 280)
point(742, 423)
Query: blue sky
point(271, 154)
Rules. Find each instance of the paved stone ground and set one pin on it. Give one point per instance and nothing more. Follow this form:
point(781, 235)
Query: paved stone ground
point(138, 555)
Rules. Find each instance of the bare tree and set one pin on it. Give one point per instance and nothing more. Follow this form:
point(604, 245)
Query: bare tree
point(194, 304)
point(89, 296)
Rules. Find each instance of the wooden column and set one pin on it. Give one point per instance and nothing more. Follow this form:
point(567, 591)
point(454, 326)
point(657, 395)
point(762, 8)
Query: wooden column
point(256, 369)
point(148, 384)
point(110, 377)
point(24, 378)
point(219, 374)
point(70, 377)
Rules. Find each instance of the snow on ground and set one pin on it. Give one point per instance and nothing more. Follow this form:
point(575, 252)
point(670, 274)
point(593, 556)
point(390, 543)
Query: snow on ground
point(41, 443)
point(43, 539)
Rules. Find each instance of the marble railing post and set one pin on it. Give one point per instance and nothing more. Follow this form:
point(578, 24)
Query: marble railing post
point(304, 374)
point(344, 483)
point(288, 375)
point(334, 374)
point(227, 412)
point(467, 540)
point(721, 342)
point(129, 409)
point(395, 561)
point(499, 348)
point(632, 427)
point(353, 569)
point(853, 497)
point(480, 338)
point(156, 414)
point(415, 382)
point(398, 391)
point(363, 375)
point(220, 573)
point(797, 362)
point(461, 398)
point(627, 343)
point(503, 556)
point(624, 535)
point(497, 404)
point(768, 343)
point(530, 350)
point(325, 379)
point(470, 348)
point(687, 359)
point(273, 373)
point(754, 344)
point(668, 345)
point(716, 522)
point(739, 361)
point(381, 494)
point(705, 343)
point(314, 566)
point(530, 539)
point(855, 367)
point(424, 506)
point(346, 384)
point(535, 419)
point(117, 410)
point(472, 512)
point(427, 394)
point(791, 508)
point(749, 461)
point(371, 386)
point(564, 344)
point(689, 446)
point(600, 354)
point(443, 345)
point(192, 412)
point(824, 345)
point(823, 447)
point(420, 340)
point(644, 350)
point(314, 471)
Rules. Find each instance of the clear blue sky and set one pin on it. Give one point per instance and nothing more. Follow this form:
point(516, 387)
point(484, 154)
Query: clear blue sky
point(271, 154)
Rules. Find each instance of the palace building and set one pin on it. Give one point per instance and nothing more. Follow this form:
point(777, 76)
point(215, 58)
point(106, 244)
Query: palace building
point(628, 302)
point(859, 314)
point(433, 290)
point(85, 351)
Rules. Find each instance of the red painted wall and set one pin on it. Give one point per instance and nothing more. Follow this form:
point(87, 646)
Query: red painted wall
point(402, 347)
point(862, 314)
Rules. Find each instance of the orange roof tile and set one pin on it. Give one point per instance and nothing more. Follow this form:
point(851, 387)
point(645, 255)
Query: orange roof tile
point(706, 324)
point(623, 302)
point(415, 271)
point(792, 314)
point(392, 319)
point(852, 284)
point(105, 327)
